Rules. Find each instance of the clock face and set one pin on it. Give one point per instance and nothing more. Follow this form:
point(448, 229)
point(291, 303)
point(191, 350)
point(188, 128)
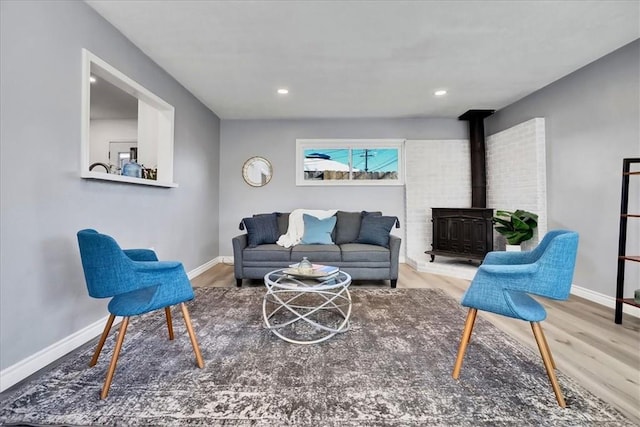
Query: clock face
point(257, 171)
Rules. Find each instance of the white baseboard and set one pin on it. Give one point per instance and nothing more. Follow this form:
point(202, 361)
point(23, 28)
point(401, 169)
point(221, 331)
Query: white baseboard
point(602, 299)
point(21, 370)
point(204, 267)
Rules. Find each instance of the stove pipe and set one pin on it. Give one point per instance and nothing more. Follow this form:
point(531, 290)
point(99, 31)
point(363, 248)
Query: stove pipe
point(478, 158)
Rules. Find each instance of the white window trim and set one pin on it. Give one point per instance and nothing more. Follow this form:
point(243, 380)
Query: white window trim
point(304, 144)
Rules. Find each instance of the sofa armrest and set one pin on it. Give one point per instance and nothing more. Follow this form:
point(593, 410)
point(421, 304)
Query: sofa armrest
point(394, 253)
point(239, 243)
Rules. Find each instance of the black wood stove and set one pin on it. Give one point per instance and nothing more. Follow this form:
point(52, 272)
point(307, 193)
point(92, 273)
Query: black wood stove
point(467, 232)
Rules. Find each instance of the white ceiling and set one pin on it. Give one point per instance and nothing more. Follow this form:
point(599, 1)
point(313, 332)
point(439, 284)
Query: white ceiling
point(369, 58)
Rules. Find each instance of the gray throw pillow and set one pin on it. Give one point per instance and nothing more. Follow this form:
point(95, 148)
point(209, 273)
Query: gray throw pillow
point(348, 226)
point(283, 222)
point(261, 229)
point(374, 230)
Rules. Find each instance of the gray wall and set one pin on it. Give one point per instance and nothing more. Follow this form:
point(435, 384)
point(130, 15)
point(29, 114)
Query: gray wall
point(276, 139)
point(592, 123)
point(44, 202)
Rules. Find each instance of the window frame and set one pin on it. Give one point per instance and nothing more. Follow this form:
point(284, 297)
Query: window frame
point(160, 118)
point(350, 144)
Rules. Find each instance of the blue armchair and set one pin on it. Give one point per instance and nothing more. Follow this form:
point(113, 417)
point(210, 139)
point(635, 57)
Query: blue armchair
point(504, 281)
point(137, 283)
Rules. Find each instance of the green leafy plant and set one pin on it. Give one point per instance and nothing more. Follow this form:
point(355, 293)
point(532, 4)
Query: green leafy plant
point(516, 227)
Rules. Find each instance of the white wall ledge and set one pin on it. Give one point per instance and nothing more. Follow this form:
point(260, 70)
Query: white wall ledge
point(126, 179)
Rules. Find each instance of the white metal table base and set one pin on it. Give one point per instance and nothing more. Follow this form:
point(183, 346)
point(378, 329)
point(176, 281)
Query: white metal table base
point(294, 300)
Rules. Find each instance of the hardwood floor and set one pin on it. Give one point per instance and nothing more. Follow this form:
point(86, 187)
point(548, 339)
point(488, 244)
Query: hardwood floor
point(586, 344)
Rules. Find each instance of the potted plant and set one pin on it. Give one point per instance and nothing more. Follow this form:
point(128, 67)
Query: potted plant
point(516, 227)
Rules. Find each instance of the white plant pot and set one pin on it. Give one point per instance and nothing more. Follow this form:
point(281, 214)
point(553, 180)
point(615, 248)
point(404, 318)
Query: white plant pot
point(513, 248)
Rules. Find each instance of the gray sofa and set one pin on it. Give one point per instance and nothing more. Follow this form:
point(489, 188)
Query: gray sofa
point(360, 260)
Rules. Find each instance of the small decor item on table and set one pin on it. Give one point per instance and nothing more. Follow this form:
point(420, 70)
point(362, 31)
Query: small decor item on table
point(517, 227)
point(636, 296)
point(305, 266)
point(312, 271)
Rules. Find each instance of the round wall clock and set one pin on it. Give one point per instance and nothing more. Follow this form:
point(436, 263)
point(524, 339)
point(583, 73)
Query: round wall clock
point(257, 171)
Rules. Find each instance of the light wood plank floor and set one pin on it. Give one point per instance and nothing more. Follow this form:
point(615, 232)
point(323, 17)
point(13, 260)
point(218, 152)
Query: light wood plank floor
point(586, 344)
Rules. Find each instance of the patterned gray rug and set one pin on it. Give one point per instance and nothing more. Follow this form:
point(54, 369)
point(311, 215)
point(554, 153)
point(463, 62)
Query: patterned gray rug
point(393, 368)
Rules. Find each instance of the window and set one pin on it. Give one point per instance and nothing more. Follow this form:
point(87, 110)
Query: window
point(119, 116)
point(349, 162)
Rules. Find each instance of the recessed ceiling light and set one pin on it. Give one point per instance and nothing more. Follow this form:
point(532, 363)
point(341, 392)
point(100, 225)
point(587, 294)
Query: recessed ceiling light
point(440, 92)
point(283, 91)
point(92, 79)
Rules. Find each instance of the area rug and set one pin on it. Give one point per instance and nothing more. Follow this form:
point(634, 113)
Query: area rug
point(392, 368)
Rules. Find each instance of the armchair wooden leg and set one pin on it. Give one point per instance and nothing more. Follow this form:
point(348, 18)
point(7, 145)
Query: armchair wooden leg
point(546, 344)
point(167, 312)
point(114, 358)
point(466, 335)
point(548, 362)
point(473, 323)
point(103, 338)
point(192, 335)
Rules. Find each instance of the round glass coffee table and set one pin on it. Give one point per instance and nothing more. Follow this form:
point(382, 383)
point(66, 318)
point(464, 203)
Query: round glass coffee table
point(306, 310)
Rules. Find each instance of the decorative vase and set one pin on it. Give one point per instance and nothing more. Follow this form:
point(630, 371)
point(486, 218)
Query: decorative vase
point(305, 266)
point(636, 296)
point(513, 248)
point(132, 169)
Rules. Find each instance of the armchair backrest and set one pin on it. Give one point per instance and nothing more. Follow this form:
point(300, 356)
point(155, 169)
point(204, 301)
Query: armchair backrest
point(107, 269)
point(537, 252)
point(556, 260)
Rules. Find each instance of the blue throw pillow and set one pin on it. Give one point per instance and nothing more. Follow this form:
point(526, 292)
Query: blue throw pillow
point(317, 231)
point(262, 229)
point(374, 230)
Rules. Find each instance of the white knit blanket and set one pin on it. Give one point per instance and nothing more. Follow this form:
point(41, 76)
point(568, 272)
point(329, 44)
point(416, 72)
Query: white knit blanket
point(296, 225)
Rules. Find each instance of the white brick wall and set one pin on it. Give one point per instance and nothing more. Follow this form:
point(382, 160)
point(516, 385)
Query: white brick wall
point(438, 174)
point(516, 173)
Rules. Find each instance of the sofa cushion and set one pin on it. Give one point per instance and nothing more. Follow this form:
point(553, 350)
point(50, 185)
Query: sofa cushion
point(360, 252)
point(375, 230)
point(317, 254)
point(261, 229)
point(317, 231)
point(348, 226)
point(267, 252)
